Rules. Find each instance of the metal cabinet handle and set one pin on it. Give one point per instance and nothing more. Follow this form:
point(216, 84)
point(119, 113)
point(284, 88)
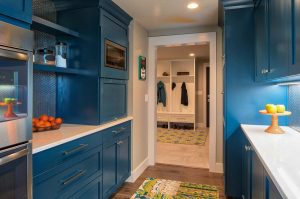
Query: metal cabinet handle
point(119, 131)
point(120, 142)
point(76, 149)
point(12, 157)
point(74, 177)
point(248, 148)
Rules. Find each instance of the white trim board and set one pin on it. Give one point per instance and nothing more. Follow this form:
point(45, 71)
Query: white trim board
point(135, 174)
point(173, 40)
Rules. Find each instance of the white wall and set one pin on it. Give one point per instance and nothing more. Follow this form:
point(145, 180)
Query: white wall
point(137, 89)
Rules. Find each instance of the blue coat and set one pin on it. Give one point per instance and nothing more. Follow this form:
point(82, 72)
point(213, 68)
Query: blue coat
point(161, 93)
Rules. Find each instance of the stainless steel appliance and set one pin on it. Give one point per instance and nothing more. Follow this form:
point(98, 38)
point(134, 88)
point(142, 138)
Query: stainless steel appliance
point(115, 55)
point(15, 112)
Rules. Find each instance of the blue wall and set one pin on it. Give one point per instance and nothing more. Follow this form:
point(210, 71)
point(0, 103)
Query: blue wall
point(243, 96)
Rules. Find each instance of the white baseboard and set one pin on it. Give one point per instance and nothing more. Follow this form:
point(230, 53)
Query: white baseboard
point(135, 174)
point(219, 168)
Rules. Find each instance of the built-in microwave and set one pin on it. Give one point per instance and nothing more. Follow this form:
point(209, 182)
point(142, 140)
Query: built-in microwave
point(115, 55)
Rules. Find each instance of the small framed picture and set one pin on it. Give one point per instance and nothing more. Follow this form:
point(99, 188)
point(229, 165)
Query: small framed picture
point(142, 68)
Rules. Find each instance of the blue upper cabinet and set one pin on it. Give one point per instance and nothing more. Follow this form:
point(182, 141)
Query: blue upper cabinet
point(295, 41)
point(279, 37)
point(261, 41)
point(17, 12)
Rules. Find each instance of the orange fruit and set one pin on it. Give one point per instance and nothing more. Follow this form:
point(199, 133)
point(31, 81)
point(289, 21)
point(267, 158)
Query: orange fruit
point(47, 124)
point(44, 118)
point(58, 120)
point(40, 124)
point(50, 118)
point(34, 120)
point(53, 123)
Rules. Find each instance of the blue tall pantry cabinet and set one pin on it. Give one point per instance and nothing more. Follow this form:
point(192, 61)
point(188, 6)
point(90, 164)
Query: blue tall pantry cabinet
point(243, 96)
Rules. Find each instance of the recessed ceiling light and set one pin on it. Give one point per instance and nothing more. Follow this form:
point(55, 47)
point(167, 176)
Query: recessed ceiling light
point(193, 5)
point(192, 54)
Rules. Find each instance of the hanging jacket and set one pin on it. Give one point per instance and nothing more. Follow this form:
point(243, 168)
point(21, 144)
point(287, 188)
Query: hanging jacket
point(161, 93)
point(184, 95)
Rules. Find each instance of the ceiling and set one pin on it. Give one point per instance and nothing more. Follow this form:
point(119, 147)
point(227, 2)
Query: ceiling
point(165, 14)
point(182, 52)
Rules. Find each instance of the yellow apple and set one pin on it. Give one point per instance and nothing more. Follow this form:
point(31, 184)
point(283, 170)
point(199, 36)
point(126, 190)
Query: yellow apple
point(280, 108)
point(271, 108)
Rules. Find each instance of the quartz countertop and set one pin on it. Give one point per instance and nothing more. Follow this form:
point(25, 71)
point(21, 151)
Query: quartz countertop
point(44, 140)
point(279, 155)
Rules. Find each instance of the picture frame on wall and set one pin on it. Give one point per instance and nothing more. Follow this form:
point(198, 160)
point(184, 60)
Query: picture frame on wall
point(142, 62)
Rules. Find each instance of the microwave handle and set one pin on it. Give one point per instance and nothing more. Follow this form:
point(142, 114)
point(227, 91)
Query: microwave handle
point(14, 156)
point(13, 55)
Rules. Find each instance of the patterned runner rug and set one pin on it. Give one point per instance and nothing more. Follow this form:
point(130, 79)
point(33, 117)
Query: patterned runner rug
point(176, 136)
point(167, 189)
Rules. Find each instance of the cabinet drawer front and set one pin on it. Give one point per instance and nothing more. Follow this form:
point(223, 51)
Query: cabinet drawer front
point(58, 155)
point(113, 99)
point(182, 118)
point(90, 191)
point(111, 134)
point(59, 183)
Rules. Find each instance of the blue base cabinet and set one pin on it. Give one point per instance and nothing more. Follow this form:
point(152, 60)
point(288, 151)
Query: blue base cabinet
point(259, 183)
point(92, 167)
point(116, 158)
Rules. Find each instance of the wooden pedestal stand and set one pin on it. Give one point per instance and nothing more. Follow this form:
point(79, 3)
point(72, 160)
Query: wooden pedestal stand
point(10, 112)
point(274, 128)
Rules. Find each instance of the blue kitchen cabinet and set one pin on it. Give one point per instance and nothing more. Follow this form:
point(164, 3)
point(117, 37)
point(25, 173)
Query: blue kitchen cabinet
point(247, 170)
point(279, 38)
point(113, 99)
point(17, 12)
point(271, 190)
point(261, 40)
point(295, 41)
point(258, 178)
point(116, 157)
point(91, 191)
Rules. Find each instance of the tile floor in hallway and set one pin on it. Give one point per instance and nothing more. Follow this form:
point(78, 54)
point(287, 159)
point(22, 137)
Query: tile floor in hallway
point(194, 156)
point(170, 172)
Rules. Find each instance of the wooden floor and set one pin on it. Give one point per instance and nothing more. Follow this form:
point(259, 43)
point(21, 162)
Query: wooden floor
point(179, 173)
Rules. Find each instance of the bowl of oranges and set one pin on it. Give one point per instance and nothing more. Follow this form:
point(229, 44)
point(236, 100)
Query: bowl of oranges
point(46, 123)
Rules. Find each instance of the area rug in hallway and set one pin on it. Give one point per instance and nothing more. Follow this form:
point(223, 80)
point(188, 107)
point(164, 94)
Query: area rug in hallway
point(176, 136)
point(168, 189)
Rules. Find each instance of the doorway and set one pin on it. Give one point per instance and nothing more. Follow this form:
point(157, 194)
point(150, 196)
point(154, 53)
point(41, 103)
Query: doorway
point(177, 40)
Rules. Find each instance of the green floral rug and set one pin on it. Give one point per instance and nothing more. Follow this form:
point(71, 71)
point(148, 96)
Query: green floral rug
point(153, 188)
point(176, 136)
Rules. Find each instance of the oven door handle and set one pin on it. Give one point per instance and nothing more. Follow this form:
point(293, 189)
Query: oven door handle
point(12, 157)
point(13, 55)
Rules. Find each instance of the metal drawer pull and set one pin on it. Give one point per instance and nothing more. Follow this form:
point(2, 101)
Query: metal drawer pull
point(14, 156)
point(80, 147)
point(120, 142)
point(119, 131)
point(74, 177)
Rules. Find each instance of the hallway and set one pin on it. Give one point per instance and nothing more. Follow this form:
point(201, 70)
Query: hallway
point(177, 173)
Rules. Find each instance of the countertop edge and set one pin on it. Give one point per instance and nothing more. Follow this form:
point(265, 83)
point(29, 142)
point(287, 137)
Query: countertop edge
point(282, 193)
point(97, 129)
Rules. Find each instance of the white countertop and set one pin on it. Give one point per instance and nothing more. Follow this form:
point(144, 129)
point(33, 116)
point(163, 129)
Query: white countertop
point(44, 140)
point(280, 155)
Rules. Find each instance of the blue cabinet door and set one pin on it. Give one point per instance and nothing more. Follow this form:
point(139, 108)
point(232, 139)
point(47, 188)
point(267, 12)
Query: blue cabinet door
point(279, 37)
point(113, 99)
point(115, 31)
point(123, 158)
point(91, 191)
point(109, 168)
point(271, 190)
point(17, 9)
point(258, 178)
point(247, 170)
point(295, 41)
point(261, 41)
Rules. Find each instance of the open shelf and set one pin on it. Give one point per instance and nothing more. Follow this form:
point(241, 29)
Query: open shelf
point(184, 78)
point(46, 26)
point(55, 69)
point(163, 78)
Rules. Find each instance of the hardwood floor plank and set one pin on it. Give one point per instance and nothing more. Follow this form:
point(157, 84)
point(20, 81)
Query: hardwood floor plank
point(170, 172)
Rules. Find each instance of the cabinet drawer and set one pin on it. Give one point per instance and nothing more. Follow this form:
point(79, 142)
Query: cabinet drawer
point(182, 118)
point(58, 155)
point(91, 191)
point(162, 117)
point(111, 134)
point(66, 179)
